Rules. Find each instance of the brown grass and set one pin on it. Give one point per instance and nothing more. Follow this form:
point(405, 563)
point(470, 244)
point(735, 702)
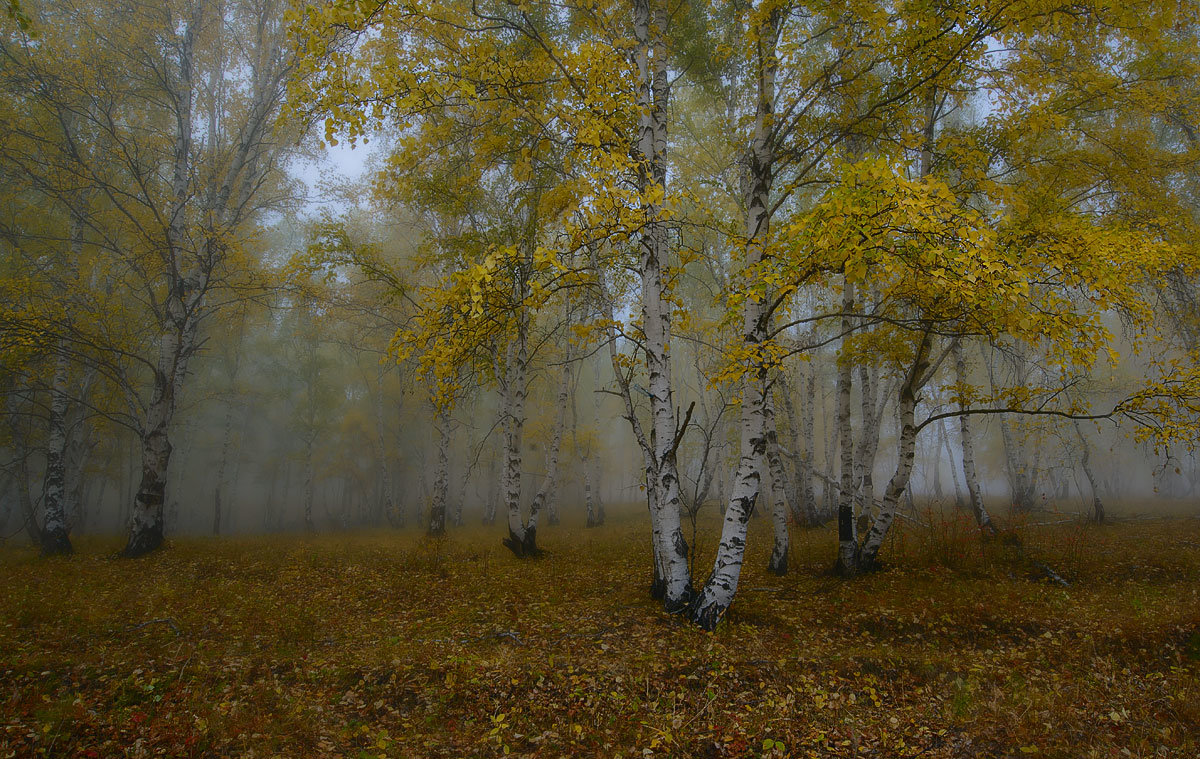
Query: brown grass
point(389, 645)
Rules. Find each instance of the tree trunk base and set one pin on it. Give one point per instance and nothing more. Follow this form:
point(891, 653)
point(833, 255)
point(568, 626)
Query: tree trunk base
point(706, 616)
point(867, 563)
point(778, 564)
point(56, 543)
point(658, 588)
point(142, 542)
point(847, 570)
point(523, 547)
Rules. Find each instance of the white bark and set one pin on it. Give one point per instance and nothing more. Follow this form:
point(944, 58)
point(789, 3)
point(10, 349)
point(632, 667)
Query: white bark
point(385, 469)
point(974, 493)
point(493, 492)
point(441, 480)
point(650, 54)
point(808, 429)
point(847, 562)
point(868, 441)
point(718, 592)
point(782, 494)
point(545, 497)
point(906, 450)
point(521, 540)
point(54, 538)
point(1085, 462)
point(799, 493)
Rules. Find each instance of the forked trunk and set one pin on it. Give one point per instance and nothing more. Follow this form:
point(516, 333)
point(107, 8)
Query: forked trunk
point(178, 330)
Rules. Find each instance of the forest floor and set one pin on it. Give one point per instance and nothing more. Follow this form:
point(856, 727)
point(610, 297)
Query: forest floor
point(390, 645)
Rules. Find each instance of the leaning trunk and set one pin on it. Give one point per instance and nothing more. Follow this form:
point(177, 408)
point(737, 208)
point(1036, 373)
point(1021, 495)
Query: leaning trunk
point(974, 493)
point(716, 596)
point(1085, 463)
point(906, 450)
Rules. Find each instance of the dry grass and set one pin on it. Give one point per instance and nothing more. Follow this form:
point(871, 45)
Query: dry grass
point(372, 645)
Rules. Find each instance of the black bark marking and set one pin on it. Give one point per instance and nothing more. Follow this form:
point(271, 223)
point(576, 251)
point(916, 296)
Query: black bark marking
point(778, 563)
point(56, 542)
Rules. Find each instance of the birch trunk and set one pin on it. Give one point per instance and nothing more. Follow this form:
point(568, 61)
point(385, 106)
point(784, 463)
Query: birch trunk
point(54, 535)
point(868, 441)
point(176, 341)
point(546, 495)
point(906, 450)
point(1085, 464)
point(782, 494)
point(938, 493)
point(522, 539)
point(650, 54)
point(1021, 481)
point(944, 436)
point(590, 474)
point(308, 484)
point(970, 478)
point(6, 504)
point(28, 510)
point(441, 479)
point(226, 439)
point(461, 499)
point(585, 453)
point(847, 562)
point(385, 469)
point(800, 502)
point(493, 493)
point(808, 429)
point(718, 592)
